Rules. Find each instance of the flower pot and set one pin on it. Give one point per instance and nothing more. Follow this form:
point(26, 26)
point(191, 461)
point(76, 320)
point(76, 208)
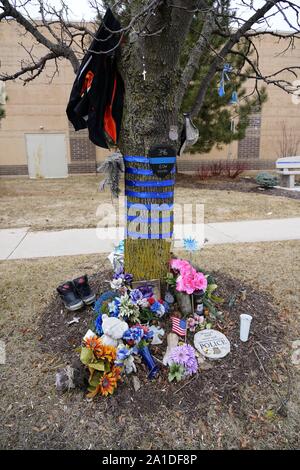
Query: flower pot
point(145, 354)
point(184, 302)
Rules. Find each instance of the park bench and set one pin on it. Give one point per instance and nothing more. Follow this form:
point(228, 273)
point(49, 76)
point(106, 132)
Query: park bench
point(288, 167)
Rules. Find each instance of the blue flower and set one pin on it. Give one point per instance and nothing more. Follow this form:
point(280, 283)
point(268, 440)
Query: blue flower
point(109, 295)
point(134, 334)
point(98, 325)
point(119, 274)
point(148, 336)
point(190, 244)
point(136, 295)
point(122, 354)
point(158, 309)
point(114, 307)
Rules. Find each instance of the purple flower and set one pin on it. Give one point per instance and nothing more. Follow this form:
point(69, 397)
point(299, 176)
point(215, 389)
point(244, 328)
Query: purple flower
point(185, 356)
point(119, 274)
point(136, 295)
point(146, 290)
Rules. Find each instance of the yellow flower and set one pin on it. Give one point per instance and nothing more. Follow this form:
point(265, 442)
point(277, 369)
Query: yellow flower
point(110, 353)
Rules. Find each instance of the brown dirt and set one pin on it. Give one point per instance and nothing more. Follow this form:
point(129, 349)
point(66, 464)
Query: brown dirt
point(34, 416)
point(225, 380)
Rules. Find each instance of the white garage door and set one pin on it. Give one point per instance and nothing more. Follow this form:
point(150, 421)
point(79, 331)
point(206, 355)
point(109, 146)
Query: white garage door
point(46, 155)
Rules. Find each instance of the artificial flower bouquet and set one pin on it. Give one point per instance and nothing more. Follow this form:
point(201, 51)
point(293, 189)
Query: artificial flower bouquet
point(185, 280)
point(121, 332)
point(100, 361)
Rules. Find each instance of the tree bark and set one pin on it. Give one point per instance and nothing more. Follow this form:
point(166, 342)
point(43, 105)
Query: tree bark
point(150, 109)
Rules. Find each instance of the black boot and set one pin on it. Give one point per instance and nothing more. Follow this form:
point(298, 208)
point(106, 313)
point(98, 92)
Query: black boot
point(69, 296)
point(85, 292)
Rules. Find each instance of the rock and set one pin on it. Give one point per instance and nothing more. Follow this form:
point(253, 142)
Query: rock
point(136, 383)
point(295, 359)
point(72, 376)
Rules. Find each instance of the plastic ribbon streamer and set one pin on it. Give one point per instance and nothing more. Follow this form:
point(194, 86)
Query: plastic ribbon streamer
point(234, 98)
point(224, 76)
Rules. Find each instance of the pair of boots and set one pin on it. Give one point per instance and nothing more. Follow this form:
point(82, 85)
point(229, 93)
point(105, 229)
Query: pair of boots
point(76, 293)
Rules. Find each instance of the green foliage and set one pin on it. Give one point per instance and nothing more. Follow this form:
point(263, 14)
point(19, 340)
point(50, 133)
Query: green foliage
point(214, 119)
point(176, 372)
point(266, 180)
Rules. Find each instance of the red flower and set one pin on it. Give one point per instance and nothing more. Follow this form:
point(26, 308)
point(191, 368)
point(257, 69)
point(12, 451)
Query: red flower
point(151, 300)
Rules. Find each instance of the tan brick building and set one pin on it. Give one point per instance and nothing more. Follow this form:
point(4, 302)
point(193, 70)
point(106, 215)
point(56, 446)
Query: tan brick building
point(35, 135)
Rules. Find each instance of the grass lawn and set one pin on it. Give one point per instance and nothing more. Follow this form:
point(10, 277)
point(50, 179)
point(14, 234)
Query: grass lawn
point(33, 416)
point(73, 202)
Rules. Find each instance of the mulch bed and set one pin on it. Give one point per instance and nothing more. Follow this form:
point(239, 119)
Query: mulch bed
point(242, 184)
point(246, 364)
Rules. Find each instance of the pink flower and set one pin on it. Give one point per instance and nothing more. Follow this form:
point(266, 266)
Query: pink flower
point(179, 264)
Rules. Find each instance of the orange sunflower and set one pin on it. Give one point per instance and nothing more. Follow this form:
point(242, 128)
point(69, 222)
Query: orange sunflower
point(116, 372)
point(110, 353)
point(107, 384)
point(94, 343)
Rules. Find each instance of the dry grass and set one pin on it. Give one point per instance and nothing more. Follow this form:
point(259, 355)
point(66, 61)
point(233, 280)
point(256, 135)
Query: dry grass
point(33, 416)
point(73, 202)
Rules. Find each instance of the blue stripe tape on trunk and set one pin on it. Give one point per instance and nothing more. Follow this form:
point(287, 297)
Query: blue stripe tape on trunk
point(138, 206)
point(141, 220)
point(151, 195)
point(136, 159)
point(149, 184)
point(142, 171)
point(157, 160)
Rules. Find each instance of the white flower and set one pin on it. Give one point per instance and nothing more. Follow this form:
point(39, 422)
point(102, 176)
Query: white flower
point(143, 303)
point(129, 365)
point(116, 283)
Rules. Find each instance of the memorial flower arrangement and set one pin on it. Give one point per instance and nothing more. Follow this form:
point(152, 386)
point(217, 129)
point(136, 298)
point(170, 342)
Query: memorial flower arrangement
point(131, 305)
point(123, 327)
point(99, 358)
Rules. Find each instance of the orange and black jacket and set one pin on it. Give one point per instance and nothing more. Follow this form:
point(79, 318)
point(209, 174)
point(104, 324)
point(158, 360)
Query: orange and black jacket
point(96, 100)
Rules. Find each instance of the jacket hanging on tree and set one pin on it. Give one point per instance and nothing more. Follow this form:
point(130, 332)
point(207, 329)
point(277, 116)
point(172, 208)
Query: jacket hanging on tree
point(96, 100)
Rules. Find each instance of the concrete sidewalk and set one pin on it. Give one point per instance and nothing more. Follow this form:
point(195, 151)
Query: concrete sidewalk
point(22, 243)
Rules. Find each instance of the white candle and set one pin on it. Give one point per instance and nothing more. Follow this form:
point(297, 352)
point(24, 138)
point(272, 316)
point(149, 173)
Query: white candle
point(245, 322)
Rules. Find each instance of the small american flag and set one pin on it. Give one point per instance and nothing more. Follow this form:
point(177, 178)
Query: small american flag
point(178, 326)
